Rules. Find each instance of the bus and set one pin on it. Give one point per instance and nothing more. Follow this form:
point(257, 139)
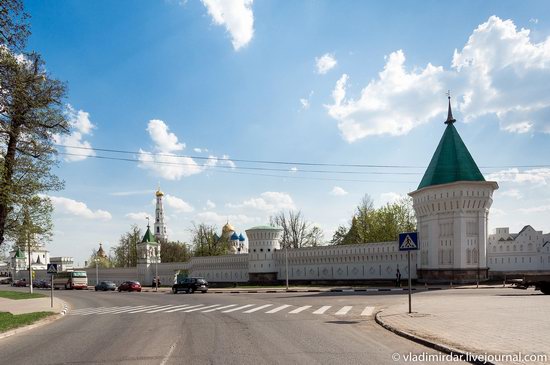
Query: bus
point(70, 280)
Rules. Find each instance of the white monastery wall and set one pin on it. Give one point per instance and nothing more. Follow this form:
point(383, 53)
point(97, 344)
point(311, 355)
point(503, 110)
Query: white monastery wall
point(227, 268)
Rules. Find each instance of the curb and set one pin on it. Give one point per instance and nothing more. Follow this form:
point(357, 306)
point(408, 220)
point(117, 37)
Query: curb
point(433, 345)
point(40, 323)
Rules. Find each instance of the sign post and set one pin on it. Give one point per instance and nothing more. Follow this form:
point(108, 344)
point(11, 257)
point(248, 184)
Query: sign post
point(52, 269)
point(408, 241)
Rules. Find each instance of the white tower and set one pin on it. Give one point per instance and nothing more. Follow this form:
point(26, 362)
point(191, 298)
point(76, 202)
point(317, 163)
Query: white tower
point(148, 257)
point(160, 227)
point(263, 241)
point(452, 206)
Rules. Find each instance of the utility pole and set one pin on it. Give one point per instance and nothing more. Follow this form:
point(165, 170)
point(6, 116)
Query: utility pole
point(286, 265)
point(29, 257)
point(156, 270)
point(96, 271)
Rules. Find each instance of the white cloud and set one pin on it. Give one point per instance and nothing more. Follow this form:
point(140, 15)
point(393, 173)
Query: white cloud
point(200, 150)
point(210, 204)
point(512, 193)
point(269, 202)
point(81, 126)
point(239, 221)
point(140, 216)
point(389, 197)
point(179, 205)
point(164, 140)
point(165, 163)
point(537, 209)
point(325, 63)
point(534, 20)
point(76, 208)
point(533, 176)
point(306, 103)
point(338, 191)
point(499, 71)
point(236, 16)
point(293, 169)
point(223, 161)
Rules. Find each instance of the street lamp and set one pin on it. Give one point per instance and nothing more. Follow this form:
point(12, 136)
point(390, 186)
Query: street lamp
point(96, 270)
point(286, 264)
point(156, 269)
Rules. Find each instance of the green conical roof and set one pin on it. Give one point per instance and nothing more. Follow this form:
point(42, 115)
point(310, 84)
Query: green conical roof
point(451, 161)
point(148, 237)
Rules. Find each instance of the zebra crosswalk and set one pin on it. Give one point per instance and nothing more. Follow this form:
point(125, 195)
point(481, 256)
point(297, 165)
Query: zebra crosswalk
point(347, 310)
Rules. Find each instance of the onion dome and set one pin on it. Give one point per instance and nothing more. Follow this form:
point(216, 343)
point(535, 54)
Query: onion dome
point(101, 253)
point(241, 238)
point(234, 237)
point(228, 228)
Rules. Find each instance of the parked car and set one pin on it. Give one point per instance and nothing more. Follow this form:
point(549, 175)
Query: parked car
point(105, 285)
point(5, 280)
point(44, 284)
point(130, 286)
point(21, 282)
point(190, 285)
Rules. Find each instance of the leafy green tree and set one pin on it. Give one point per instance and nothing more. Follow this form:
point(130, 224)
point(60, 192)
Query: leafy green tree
point(103, 262)
point(14, 26)
point(31, 115)
point(206, 242)
point(175, 252)
point(339, 235)
point(125, 253)
point(377, 225)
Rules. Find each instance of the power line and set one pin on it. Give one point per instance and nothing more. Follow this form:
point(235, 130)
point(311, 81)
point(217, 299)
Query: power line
point(237, 172)
point(274, 162)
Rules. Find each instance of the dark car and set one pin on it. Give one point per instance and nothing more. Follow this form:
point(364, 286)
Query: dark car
point(105, 285)
point(21, 282)
point(190, 285)
point(44, 284)
point(130, 286)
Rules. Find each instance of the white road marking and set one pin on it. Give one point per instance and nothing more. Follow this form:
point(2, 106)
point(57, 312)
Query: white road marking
point(167, 356)
point(219, 308)
point(164, 309)
point(108, 310)
point(121, 310)
point(201, 308)
point(322, 309)
point(83, 310)
point(183, 307)
point(149, 308)
point(275, 310)
point(344, 310)
point(367, 311)
point(300, 309)
point(238, 308)
point(258, 308)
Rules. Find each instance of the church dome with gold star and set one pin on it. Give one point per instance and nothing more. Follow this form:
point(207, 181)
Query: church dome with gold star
point(227, 229)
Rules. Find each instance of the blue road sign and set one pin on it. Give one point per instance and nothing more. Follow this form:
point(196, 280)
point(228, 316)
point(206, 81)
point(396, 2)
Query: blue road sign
point(52, 269)
point(408, 241)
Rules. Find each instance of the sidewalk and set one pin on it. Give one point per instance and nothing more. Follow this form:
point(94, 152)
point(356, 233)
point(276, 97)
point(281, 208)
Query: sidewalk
point(21, 306)
point(506, 321)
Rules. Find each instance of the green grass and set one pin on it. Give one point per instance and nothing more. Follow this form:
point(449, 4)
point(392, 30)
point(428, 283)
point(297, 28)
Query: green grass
point(19, 295)
point(10, 321)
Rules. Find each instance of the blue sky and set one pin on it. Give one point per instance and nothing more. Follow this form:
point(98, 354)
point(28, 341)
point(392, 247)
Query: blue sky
point(346, 82)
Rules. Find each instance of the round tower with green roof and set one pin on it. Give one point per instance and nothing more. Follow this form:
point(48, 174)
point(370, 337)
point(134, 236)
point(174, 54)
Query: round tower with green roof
point(452, 205)
point(148, 251)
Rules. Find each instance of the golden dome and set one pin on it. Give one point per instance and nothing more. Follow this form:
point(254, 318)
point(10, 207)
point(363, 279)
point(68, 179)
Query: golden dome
point(159, 193)
point(100, 252)
point(228, 228)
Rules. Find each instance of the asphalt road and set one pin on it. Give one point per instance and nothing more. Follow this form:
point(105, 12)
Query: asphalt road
point(213, 329)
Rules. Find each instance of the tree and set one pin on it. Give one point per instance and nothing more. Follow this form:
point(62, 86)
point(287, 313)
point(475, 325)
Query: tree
point(31, 116)
point(103, 262)
point(339, 235)
point(377, 225)
point(206, 242)
point(297, 232)
point(33, 224)
point(175, 252)
point(125, 253)
point(14, 28)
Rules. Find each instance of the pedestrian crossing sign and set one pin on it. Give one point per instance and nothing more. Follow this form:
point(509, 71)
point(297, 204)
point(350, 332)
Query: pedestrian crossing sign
point(408, 241)
point(52, 269)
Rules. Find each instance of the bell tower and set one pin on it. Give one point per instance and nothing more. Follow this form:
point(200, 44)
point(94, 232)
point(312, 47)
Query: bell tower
point(160, 232)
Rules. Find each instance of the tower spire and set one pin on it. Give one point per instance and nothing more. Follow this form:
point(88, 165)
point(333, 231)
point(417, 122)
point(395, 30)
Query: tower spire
point(450, 119)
